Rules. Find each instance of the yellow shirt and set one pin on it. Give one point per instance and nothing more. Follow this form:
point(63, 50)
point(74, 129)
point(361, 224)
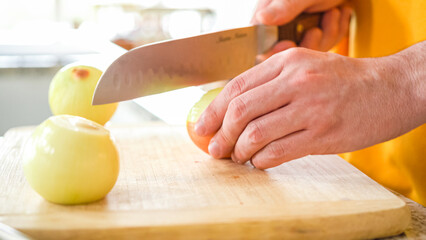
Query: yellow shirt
point(380, 28)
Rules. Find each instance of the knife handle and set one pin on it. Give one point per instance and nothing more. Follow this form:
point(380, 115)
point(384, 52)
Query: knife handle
point(295, 29)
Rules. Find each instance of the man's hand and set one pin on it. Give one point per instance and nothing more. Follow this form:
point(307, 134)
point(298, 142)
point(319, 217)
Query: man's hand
point(334, 25)
point(301, 102)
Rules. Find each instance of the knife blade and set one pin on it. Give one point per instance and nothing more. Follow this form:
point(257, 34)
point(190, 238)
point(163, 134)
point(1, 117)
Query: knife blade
point(192, 61)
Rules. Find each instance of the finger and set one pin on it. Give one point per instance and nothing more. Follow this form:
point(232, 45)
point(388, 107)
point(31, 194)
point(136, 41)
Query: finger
point(279, 12)
point(278, 47)
point(345, 18)
point(242, 110)
point(211, 119)
point(266, 129)
point(293, 146)
point(330, 25)
point(260, 5)
point(312, 39)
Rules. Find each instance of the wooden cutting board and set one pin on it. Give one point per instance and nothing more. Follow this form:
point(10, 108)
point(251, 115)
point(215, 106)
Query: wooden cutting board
point(168, 189)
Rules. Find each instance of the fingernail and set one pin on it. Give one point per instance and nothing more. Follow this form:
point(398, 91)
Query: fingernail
point(199, 127)
point(251, 162)
point(234, 158)
point(214, 149)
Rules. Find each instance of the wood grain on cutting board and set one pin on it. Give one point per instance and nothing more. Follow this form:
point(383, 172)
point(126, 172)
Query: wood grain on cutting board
point(169, 189)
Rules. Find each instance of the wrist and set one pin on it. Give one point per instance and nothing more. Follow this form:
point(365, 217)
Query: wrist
point(406, 71)
point(413, 60)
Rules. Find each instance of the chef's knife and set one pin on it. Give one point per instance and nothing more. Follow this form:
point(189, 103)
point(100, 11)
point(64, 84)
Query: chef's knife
point(192, 61)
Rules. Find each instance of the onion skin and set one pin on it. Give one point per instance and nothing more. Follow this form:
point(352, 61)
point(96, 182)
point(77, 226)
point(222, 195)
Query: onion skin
point(71, 160)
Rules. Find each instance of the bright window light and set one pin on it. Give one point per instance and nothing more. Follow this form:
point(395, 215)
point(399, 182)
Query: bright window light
point(183, 23)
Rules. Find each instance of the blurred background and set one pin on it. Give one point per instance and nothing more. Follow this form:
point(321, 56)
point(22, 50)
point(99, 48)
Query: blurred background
point(37, 38)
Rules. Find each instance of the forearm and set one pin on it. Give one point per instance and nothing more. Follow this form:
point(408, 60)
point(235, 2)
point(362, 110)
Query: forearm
point(407, 69)
point(415, 60)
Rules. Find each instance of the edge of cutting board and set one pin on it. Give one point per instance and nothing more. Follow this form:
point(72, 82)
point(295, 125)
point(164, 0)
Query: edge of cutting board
point(392, 216)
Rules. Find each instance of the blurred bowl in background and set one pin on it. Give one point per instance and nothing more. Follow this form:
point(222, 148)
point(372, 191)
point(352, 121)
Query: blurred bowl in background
point(131, 25)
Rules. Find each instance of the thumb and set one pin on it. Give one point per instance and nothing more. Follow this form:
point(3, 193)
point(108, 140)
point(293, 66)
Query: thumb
point(279, 12)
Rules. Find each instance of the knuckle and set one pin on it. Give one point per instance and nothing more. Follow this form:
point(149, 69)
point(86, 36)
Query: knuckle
point(212, 119)
point(225, 137)
point(238, 110)
point(255, 133)
point(213, 115)
point(238, 85)
point(295, 53)
point(240, 154)
point(279, 58)
point(275, 151)
point(210, 115)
